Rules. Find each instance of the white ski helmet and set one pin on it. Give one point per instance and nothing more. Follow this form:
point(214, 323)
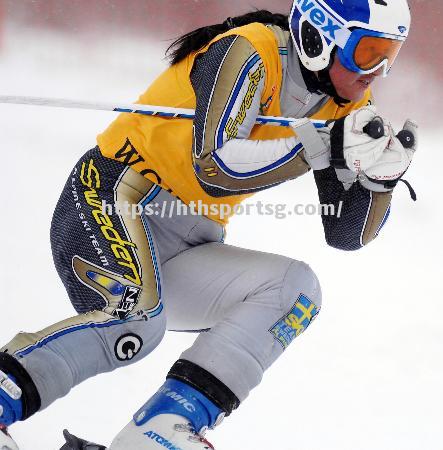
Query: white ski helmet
point(368, 33)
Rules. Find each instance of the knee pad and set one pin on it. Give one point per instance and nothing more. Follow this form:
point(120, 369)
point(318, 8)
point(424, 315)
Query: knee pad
point(300, 303)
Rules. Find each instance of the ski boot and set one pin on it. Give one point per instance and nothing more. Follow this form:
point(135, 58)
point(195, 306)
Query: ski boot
point(10, 400)
point(19, 398)
point(176, 418)
point(6, 441)
point(10, 410)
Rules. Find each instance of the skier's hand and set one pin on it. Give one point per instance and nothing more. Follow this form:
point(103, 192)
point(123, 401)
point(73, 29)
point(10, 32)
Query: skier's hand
point(378, 162)
point(396, 158)
point(351, 146)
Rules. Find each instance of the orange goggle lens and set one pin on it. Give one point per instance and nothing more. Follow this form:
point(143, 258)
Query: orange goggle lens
point(371, 51)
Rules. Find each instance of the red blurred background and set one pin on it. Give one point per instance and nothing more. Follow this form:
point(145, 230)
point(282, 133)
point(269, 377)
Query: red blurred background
point(418, 73)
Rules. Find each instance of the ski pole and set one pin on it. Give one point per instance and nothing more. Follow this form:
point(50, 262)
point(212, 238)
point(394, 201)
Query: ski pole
point(373, 129)
point(147, 110)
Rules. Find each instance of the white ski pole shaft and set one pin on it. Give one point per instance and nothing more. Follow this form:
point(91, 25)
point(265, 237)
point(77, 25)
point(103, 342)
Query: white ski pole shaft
point(133, 108)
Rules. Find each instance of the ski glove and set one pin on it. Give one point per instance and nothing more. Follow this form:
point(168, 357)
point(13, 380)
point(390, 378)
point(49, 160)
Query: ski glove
point(385, 173)
point(378, 162)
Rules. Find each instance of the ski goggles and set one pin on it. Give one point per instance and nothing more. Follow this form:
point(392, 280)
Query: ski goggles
point(366, 51)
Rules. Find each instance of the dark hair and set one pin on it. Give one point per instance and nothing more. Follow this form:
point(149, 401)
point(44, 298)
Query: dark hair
point(197, 39)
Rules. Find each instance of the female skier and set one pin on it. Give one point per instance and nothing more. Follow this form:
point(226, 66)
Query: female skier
point(130, 276)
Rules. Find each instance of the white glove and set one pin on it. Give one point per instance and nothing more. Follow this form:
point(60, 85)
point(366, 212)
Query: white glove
point(378, 162)
point(393, 162)
point(360, 151)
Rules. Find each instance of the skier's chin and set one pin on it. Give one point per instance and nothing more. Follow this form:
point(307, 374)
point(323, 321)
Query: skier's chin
point(349, 85)
point(354, 92)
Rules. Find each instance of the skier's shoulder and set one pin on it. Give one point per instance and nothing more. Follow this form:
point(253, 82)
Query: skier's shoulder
point(265, 41)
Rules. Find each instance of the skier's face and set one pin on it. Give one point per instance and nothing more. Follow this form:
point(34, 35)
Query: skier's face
point(350, 85)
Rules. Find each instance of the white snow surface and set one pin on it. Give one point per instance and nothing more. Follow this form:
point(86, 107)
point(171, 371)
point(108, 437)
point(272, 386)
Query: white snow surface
point(366, 375)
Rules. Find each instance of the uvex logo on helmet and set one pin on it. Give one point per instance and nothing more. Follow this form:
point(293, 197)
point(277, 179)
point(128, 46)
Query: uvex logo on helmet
point(320, 17)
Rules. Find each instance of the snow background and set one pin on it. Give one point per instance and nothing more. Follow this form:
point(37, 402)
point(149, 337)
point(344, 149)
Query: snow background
point(367, 374)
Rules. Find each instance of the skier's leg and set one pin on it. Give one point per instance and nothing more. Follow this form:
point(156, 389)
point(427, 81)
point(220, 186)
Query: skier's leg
point(109, 266)
point(255, 304)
